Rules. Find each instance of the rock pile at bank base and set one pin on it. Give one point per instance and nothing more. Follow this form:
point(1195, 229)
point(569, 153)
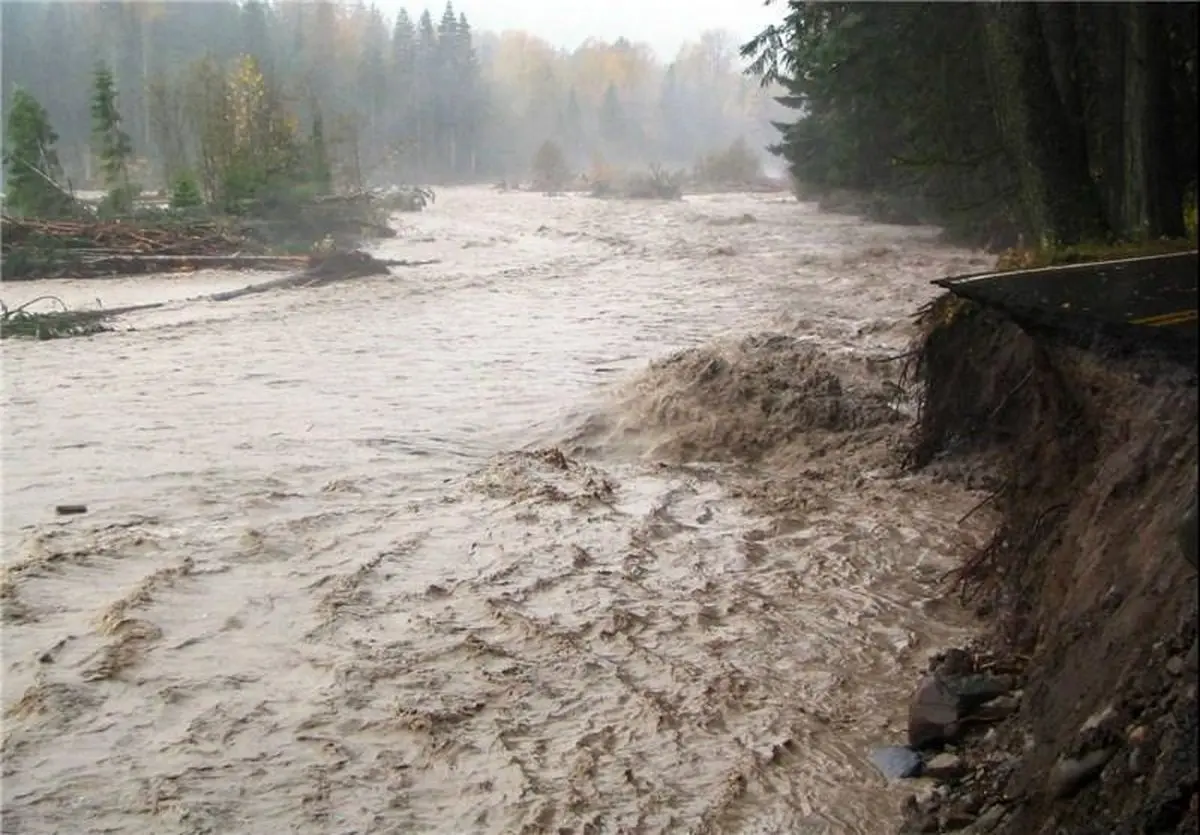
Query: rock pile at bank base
point(1091, 601)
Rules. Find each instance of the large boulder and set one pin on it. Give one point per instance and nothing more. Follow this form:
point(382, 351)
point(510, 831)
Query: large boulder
point(934, 714)
point(942, 704)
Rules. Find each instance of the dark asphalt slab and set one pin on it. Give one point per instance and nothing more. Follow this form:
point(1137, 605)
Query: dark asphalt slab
point(1151, 292)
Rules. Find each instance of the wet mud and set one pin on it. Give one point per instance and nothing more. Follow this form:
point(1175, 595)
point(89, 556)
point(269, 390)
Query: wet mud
point(1090, 588)
point(587, 528)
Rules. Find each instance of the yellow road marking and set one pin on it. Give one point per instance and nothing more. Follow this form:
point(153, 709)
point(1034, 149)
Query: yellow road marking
point(1167, 319)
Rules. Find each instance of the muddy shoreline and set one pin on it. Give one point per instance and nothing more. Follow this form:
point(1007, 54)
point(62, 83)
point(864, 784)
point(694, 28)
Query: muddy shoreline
point(1089, 602)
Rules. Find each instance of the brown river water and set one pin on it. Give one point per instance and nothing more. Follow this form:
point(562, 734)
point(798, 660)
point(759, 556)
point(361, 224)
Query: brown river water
point(471, 548)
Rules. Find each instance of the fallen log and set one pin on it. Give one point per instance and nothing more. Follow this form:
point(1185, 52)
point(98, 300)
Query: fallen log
point(323, 269)
point(235, 261)
point(404, 262)
point(252, 289)
point(137, 264)
point(102, 266)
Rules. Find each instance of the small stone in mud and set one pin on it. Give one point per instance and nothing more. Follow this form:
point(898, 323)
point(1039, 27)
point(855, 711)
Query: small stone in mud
point(70, 509)
point(989, 820)
point(945, 767)
point(974, 691)
point(895, 762)
point(1000, 708)
point(954, 662)
point(1069, 775)
point(920, 810)
point(954, 820)
point(1102, 718)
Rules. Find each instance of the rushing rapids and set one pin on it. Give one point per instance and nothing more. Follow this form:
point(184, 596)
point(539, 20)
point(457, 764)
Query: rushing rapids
point(441, 552)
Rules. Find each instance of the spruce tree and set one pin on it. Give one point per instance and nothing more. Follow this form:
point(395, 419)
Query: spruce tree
point(321, 172)
point(110, 143)
point(31, 167)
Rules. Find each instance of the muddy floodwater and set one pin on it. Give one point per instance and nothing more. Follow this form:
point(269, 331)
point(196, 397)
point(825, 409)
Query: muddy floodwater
point(592, 527)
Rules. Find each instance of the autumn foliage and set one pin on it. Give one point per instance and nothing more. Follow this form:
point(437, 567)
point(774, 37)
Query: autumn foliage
point(423, 98)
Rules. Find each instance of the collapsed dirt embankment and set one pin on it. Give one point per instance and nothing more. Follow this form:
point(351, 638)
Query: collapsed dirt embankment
point(1092, 459)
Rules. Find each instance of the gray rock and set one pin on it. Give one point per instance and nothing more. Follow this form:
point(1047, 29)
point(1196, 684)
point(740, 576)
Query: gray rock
point(977, 690)
point(1175, 666)
point(1069, 775)
point(920, 810)
point(945, 767)
point(988, 821)
point(896, 762)
point(955, 662)
point(954, 820)
point(1140, 760)
point(933, 714)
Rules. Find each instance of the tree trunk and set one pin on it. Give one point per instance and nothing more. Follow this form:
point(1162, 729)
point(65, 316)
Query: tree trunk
point(1100, 32)
point(1164, 188)
point(1135, 216)
point(1050, 153)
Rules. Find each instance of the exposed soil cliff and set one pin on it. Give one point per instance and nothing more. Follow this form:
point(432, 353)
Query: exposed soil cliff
point(1092, 457)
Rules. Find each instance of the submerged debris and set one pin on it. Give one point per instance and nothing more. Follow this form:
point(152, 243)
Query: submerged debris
point(405, 198)
point(53, 324)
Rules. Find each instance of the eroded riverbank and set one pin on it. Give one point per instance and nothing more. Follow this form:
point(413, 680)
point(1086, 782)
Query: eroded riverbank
point(322, 590)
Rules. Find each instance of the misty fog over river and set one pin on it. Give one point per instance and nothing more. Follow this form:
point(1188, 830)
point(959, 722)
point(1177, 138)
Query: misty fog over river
point(464, 549)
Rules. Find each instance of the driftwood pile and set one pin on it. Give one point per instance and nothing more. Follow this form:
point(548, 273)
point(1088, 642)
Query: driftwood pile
point(34, 248)
point(118, 238)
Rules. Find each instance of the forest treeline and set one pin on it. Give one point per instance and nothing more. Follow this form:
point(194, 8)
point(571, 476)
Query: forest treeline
point(393, 99)
point(1066, 121)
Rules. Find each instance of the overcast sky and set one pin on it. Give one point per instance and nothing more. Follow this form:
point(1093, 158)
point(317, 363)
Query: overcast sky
point(664, 24)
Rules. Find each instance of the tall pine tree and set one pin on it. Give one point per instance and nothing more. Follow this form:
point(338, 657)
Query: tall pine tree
point(110, 143)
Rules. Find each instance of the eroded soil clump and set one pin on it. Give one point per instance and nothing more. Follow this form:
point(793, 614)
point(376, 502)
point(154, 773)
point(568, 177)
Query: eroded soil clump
point(1093, 605)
